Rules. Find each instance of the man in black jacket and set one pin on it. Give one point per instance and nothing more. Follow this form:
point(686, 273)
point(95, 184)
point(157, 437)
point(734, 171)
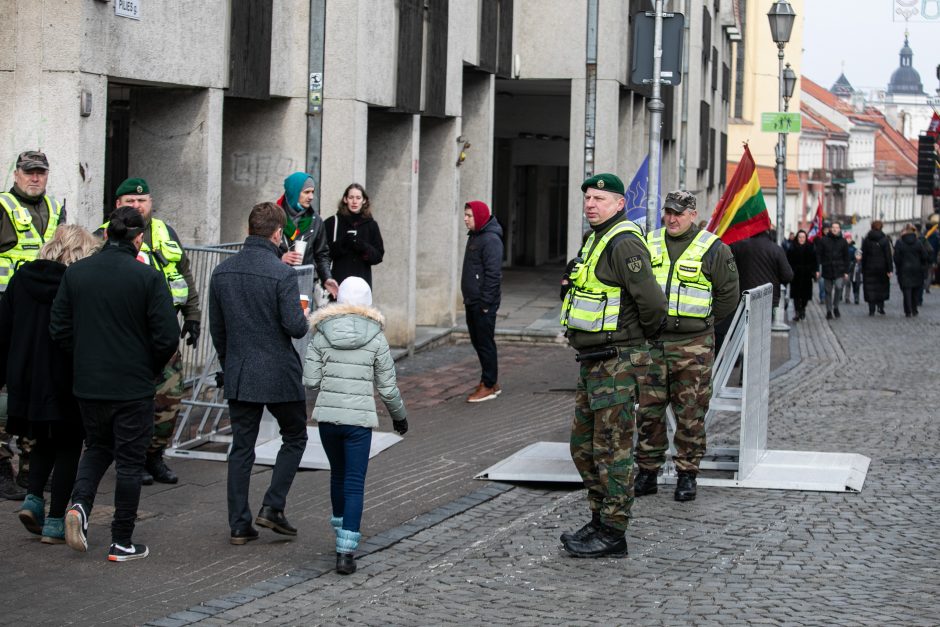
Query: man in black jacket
point(117, 318)
point(832, 254)
point(254, 311)
point(480, 285)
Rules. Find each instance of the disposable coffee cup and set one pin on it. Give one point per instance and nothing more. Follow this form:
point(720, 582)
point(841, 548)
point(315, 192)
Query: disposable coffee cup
point(304, 301)
point(300, 246)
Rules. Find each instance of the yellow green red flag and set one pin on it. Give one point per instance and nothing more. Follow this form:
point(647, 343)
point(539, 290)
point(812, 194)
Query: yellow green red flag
point(741, 212)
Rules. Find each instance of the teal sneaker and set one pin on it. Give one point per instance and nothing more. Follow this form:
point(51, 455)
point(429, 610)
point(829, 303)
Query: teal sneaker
point(53, 531)
point(33, 513)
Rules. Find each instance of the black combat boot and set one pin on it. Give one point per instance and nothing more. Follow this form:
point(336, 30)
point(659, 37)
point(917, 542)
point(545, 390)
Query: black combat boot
point(158, 469)
point(645, 483)
point(584, 531)
point(8, 487)
point(605, 542)
point(685, 487)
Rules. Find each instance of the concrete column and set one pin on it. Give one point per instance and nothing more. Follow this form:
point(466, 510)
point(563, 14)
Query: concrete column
point(477, 125)
point(263, 142)
point(176, 144)
point(575, 167)
point(606, 142)
point(438, 222)
point(85, 206)
point(393, 188)
point(344, 155)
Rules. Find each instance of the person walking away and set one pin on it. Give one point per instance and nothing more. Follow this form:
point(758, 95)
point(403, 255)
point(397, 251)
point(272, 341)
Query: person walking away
point(877, 266)
point(163, 250)
point(821, 282)
point(846, 294)
point(802, 260)
point(855, 275)
point(116, 317)
point(910, 264)
point(346, 357)
point(354, 237)
point(480, 285)
point(254, 311)
point(612, 307)
point(832, 254)
point(29, 217)
point(38, 376)
point(303, 227)
point(699, 279)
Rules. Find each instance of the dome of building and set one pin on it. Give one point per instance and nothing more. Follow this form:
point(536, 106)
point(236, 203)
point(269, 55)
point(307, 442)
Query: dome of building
point(905, 79)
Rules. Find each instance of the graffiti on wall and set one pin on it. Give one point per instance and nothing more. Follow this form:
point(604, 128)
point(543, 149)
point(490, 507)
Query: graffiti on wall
point(260, 169)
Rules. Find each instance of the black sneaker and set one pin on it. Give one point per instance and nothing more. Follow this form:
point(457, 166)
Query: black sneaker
point(76, 527)
point(121, 553)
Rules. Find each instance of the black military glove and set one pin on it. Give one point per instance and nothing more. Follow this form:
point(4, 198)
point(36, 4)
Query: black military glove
point(566, 277)
point(401, 426)
point(193, 329)
point(219, 379)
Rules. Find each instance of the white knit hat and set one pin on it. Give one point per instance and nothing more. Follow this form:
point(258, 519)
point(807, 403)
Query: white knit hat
point(354, 291)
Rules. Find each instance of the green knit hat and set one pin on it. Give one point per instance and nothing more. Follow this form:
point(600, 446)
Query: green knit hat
point(132, 186)
point(605, 182)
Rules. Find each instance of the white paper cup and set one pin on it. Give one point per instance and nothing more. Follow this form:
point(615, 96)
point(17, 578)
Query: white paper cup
point(304, 301)
point(300, 246)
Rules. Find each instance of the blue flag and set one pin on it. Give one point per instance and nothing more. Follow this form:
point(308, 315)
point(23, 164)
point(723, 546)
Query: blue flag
point(636, 196)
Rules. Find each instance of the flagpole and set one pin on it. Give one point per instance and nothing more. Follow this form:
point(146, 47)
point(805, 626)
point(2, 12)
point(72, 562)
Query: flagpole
point(655, 107)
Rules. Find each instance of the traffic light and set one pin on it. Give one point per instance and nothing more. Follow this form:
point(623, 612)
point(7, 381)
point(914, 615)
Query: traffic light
point(926, 165)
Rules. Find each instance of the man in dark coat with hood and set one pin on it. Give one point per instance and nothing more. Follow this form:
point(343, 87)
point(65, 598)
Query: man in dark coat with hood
point(254, 311)
point(877, 267)
point(480, 285)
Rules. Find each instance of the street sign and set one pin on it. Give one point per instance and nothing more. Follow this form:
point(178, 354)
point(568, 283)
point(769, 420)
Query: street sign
point(642, 54)
point(780, 122)
point(127, 8)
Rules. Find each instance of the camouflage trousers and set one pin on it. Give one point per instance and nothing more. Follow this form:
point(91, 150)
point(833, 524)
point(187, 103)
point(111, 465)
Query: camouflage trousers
point(603, 429)
point(681, 374)
point(167, 404)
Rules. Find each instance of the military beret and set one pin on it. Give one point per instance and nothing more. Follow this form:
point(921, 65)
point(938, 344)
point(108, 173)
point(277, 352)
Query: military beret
point(604, 182)
point(679, 201)
point(132, 186)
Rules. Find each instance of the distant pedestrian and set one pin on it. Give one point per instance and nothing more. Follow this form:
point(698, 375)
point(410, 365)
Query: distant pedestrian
point(38, 376)
point(116, 316)
point(832, 253)
point(877, 266)
point(846, 295)
point(855, 275)
point(910, 264)
point(614, 305)
point(480, 285)
point(699, 277)
point(821, 282)
point(802, 259)
point(347, 359)
point(354, 237)
point(254, 311)
point(304, 227)
point(933, 239)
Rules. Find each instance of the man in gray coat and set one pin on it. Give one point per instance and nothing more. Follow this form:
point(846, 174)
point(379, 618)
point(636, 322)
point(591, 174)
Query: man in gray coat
point(254, 311)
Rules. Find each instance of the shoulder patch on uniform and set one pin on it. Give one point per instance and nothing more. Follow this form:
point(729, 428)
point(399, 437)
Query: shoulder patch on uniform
point(732, 266)
point(634, 263)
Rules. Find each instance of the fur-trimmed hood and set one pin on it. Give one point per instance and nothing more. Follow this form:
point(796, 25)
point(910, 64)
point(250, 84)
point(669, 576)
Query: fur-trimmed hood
point(347, 326)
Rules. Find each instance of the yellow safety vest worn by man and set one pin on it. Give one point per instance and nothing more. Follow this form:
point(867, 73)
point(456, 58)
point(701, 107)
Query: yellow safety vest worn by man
point(611, 306)
point(697, 273)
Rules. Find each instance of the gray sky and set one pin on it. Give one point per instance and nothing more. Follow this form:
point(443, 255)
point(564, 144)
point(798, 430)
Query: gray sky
point(864, 36)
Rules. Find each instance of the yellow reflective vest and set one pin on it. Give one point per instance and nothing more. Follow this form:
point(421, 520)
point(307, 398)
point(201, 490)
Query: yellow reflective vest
point(688, 291)
point(28, 239)
point(591, 305)
point(164, 253)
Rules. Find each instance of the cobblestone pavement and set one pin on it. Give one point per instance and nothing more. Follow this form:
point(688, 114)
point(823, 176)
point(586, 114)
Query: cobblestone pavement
point(733, 557)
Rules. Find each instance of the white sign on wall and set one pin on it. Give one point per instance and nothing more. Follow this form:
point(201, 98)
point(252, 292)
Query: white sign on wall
point(127, 8)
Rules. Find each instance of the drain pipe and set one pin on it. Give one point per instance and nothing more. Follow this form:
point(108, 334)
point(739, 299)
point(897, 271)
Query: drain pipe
point(590, 97)
point(655, 107)
point(684, 119)
point(315, 42)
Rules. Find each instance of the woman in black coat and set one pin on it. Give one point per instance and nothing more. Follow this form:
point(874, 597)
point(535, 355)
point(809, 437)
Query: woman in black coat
point(354, 237)
point(910, 262)
point(38, 376)
point(876, 268)
point(802, 258)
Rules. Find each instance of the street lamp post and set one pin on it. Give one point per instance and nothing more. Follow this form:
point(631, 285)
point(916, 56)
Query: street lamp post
point(781, 17)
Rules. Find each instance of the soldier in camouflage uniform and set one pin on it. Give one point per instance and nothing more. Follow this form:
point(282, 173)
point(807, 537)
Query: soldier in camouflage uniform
point(611, 306)
point(697, 272)
point(163, 250)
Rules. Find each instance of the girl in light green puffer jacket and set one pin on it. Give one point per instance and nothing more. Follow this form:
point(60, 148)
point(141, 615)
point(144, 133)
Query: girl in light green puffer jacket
point(347, 355)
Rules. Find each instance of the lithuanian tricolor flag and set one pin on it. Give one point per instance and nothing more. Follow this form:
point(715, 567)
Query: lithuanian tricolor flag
point(741, 212)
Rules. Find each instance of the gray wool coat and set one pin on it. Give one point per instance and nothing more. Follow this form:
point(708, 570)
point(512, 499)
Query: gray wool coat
point(346, 356)
point(254, 311)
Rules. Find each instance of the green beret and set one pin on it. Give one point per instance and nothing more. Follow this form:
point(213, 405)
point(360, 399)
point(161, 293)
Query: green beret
point(133, 187)
point(605, 182)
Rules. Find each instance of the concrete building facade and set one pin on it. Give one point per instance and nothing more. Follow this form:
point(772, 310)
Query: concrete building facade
point(427, 103)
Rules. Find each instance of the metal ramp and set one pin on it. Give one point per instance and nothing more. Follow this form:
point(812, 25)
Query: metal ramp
point(203, 421)
point(753, 464)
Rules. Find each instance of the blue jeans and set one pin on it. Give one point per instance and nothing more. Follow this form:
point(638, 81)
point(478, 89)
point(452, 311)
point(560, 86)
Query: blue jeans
point(119, 432)
point(347, 448)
